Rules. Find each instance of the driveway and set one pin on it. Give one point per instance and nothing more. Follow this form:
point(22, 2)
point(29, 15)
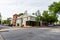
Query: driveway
point(31, 34)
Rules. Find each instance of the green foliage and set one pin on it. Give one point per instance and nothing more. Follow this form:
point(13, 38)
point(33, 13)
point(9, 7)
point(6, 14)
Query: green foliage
point(7, 21)
point(20, 14)
point(45, 16)
point(55, 7)
point(53, 18)
point(49, 17)
point(38, 15)
point(0, 15)
point(37, 19)
point(0, 21)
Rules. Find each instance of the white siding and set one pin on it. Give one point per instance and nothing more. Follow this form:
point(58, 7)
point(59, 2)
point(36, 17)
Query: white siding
point(25, 18)
point(24, 21)
point(31, 18)
point(18, 22)
point(28, 19)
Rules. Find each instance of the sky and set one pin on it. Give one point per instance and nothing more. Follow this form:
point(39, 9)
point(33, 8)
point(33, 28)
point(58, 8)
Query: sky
point(10, 7)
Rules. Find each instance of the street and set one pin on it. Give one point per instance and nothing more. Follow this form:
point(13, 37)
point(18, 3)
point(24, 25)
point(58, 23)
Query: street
point(5, 27)
point(31, 34)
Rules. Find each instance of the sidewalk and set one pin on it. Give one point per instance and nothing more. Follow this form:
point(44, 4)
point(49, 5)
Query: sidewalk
point(10, 29)
point(15, 28)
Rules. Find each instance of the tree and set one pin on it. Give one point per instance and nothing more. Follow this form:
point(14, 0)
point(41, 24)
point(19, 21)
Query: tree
point(37, 20)
point(45, 16)
point(7, 21)
point(55, 8)
point(20, 14)
point(53, 19)
point(49, 18)
point(39, 17)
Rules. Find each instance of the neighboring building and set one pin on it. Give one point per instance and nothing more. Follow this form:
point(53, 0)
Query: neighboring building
point(14, 19)
point(21, 21)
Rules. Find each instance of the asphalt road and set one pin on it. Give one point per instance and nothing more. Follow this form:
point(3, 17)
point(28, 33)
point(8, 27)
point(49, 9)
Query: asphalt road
point(5, 27)
point(31, 34)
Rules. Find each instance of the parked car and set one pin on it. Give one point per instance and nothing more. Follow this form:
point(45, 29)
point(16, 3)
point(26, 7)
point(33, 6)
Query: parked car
point(51, 25)
point(10, 25)
point(56, 24)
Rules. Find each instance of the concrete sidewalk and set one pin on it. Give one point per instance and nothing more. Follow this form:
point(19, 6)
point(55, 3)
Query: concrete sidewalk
point(10, 29)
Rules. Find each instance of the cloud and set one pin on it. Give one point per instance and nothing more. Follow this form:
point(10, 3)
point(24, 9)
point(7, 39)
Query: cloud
point(9, 7)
